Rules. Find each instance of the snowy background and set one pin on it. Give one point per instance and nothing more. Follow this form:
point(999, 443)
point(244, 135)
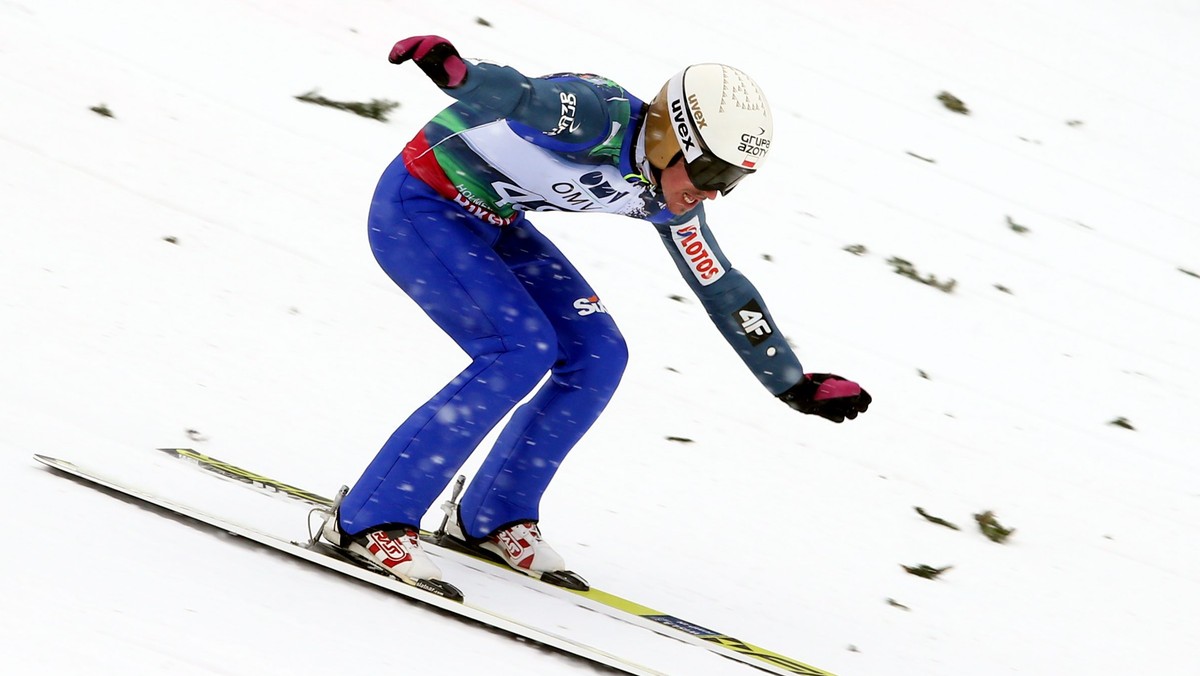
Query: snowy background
point(198, 261)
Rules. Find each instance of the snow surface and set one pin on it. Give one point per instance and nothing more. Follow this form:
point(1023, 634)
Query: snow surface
point(266, 328)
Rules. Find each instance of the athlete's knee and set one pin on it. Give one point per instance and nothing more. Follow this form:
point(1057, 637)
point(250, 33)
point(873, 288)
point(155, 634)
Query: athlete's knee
point(537, 350)
point(527, 343)
point(614, 352)
point(595, 360)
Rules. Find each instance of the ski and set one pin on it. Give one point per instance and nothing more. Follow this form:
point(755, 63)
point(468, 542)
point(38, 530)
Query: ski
point(332, 559)
point(594, 599)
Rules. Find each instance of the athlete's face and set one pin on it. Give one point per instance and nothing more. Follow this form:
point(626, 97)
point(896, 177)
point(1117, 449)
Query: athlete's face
point(678, 190)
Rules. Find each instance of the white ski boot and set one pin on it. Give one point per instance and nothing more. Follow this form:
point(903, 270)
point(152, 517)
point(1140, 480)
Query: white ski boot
point(520, 546)
point(397, 552)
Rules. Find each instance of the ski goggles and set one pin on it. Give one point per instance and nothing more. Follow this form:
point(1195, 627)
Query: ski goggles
point(709, 172)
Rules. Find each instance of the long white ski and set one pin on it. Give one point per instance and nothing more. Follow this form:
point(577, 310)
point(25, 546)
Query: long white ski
point(322, 556)
point(598, 600)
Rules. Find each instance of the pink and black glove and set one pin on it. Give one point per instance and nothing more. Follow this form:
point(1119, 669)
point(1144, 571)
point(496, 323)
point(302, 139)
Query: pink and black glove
point(436, 56)
point(829, 396)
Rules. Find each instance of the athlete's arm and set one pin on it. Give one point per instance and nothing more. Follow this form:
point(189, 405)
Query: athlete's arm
point(561, 111)
point(564, 111)
point(733, 304)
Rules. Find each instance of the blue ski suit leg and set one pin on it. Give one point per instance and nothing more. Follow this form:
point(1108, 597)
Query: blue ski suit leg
point(485, 286)
point(590, 360)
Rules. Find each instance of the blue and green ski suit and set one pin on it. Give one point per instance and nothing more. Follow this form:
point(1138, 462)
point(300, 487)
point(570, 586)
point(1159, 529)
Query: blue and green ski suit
point(448, 224)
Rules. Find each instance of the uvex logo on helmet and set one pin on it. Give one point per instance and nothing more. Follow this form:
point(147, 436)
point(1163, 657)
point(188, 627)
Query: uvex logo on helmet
point(683, 129)
point(697, 113)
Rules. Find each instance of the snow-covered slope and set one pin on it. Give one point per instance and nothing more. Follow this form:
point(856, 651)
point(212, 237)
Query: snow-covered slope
point(198, 262)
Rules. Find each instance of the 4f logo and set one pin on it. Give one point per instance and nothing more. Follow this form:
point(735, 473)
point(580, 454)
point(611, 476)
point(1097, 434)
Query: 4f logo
point(753, 322)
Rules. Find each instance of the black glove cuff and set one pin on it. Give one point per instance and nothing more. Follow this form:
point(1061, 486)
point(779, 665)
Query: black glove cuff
point(805, 389)
point(800, 395)
point(434, 63)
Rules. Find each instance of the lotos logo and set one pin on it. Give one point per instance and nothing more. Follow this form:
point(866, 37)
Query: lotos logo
point(697, 252)
point(590, 306)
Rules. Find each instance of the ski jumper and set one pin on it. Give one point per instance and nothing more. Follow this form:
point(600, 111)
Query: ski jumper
point(448, 225)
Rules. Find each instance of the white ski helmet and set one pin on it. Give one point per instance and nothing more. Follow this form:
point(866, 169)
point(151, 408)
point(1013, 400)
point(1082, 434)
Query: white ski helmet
point(717, 117)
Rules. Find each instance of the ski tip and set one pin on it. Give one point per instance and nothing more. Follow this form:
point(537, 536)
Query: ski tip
point(51, 462)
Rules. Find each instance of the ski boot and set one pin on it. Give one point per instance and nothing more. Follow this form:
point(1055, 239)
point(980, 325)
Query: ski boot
point(395, 551)
point(519, 545)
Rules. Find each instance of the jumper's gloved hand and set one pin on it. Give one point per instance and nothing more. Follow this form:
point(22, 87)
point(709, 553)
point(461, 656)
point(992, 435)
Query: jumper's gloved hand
point(829, 396)
point(436, 56)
